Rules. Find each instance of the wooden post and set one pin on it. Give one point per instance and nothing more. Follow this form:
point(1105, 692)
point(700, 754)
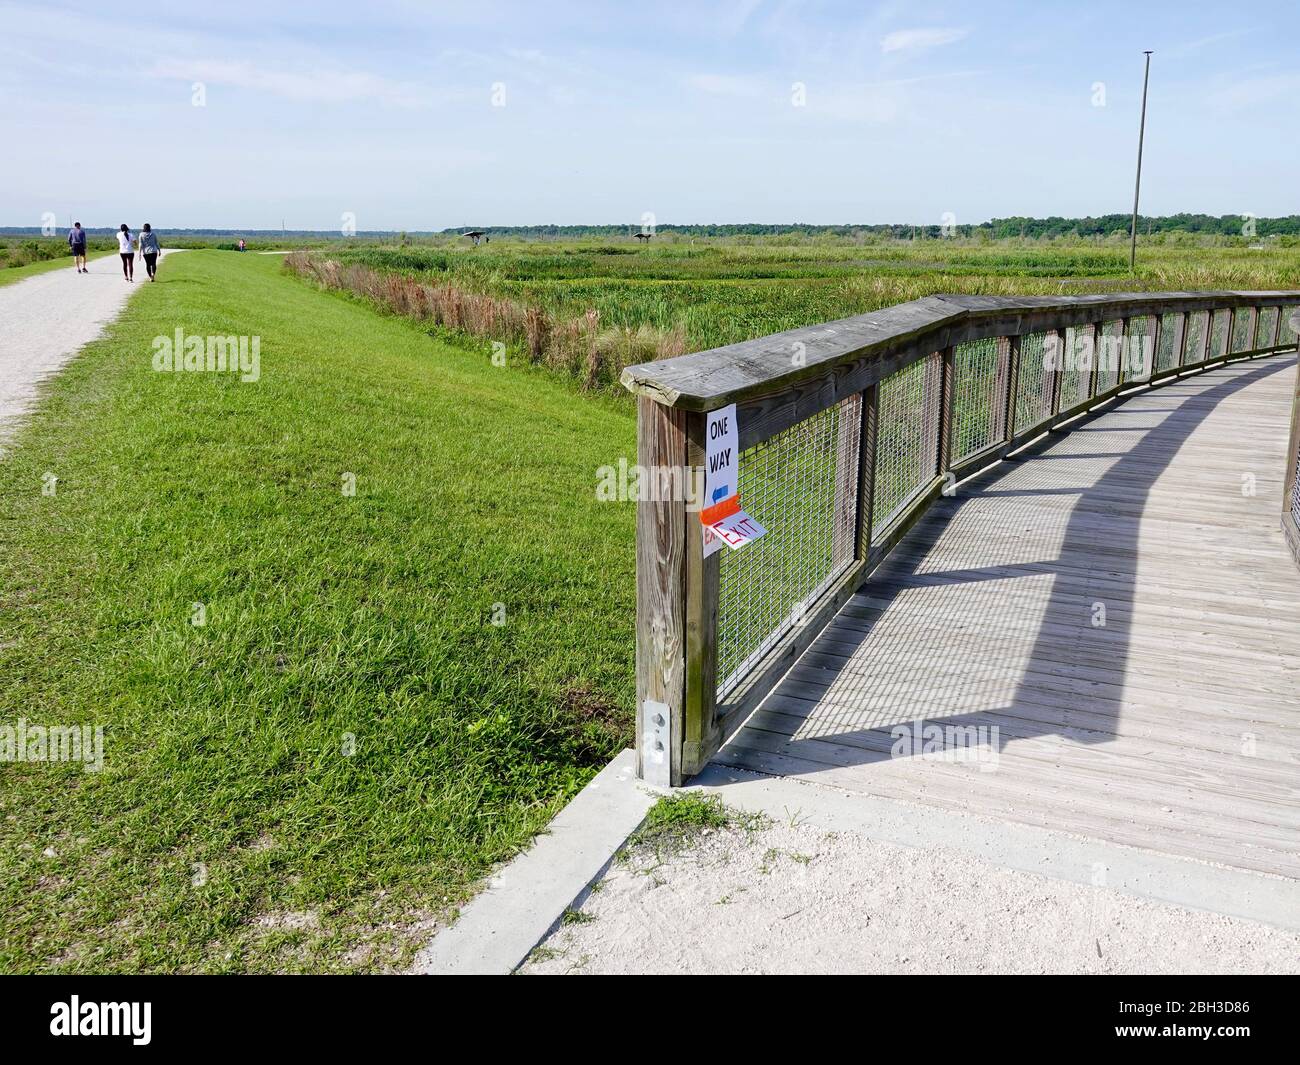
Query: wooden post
point(701, 736)
point(1290, 483)
point(1153, 335)
point(867, 470)
point(1277, 328)
point(1180, 340)
point(1095, 334)
point(1252, 329)
point(661, 571)
point(1124, 341)
point(997, 401)
point(932, 408)
point(848, 473)
point(1206, 339)
point(1052, 378)
point(946, 381)
point(1013, 388)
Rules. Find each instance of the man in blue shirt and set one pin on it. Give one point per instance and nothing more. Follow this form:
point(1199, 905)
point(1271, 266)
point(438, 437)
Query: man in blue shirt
point(77, 242)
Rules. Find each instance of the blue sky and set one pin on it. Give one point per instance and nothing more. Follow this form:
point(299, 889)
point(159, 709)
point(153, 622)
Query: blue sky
point(427, 115)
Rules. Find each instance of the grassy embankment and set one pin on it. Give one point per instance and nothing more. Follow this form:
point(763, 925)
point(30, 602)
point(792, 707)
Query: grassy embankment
point(328, 763)
point(681, 296)
point(723, 293)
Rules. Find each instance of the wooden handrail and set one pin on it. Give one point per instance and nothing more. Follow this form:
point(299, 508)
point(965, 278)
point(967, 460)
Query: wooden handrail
point(1291, 481)
point(740, 373)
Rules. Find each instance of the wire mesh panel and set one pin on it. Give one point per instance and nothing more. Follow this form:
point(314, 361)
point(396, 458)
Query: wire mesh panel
point(1139, 348)
point(1033, 383)
point(1168, 342)
point(1241, 339)
point(802, 486)
point(1076, 370)
point(1286, 335)
point(906, 451)
point(1194, 342)
point(979, 379)
point(1295, 491)
point(1264, 327)
point(1110, 344)
point(1219, 333)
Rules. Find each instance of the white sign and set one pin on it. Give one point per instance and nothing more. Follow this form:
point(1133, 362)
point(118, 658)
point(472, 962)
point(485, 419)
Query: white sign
point(721, 456)
point(738, 530)
point(723, 520)
point(712, 542)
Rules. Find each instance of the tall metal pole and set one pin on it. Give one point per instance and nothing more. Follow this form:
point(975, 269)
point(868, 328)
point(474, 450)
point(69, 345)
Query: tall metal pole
point(1137, 185)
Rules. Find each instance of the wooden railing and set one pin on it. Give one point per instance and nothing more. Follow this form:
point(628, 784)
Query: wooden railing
point(849, 431)
point(1291, 486)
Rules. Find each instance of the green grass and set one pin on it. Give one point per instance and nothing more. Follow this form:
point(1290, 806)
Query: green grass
point(9, 275)
point(330, 762)
point(674, 821)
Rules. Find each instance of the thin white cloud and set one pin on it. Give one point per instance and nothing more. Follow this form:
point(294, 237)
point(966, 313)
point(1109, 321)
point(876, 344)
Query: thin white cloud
point(1202, 42)
point(877, 102)
point(915, 40)
point(732, 17)
point(1253, 92)
point(725, 85)
point(873, 104)
point(315, 86)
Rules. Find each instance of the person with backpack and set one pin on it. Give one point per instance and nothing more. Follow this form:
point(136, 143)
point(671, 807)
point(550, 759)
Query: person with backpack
point(150, 250)
point(126, 248)
point(77, 242)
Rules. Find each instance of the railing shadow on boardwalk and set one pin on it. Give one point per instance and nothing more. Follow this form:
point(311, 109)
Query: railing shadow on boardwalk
point(1026, 649)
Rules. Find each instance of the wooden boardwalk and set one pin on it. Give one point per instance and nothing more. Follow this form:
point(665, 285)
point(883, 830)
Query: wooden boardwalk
point(1117, 614)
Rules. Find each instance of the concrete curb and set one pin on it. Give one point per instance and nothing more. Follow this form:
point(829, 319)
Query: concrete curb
point(1165, 878)
point(526, 897)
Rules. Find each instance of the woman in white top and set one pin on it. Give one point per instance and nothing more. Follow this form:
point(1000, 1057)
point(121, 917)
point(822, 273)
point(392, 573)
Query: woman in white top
point(126, 248)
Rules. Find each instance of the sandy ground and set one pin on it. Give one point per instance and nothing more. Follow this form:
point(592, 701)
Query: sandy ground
point(46, 319)
point(797, 899)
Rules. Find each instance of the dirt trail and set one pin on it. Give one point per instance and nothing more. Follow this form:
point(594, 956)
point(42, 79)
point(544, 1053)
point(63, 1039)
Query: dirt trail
point(46, 319)
point(796, 899)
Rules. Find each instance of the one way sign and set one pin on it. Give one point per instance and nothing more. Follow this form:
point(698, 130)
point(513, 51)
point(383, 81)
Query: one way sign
point(723, 520)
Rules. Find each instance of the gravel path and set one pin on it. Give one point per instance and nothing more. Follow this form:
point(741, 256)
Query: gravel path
point(797, 899)
point(46, 319)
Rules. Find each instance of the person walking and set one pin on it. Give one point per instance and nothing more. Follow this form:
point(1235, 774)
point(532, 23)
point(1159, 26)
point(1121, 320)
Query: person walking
point(77, 242)
point(126, 248)
point(150, 249)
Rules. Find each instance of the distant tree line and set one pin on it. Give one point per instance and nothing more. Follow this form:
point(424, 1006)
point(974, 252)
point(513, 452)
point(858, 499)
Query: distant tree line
point(1228, 225)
